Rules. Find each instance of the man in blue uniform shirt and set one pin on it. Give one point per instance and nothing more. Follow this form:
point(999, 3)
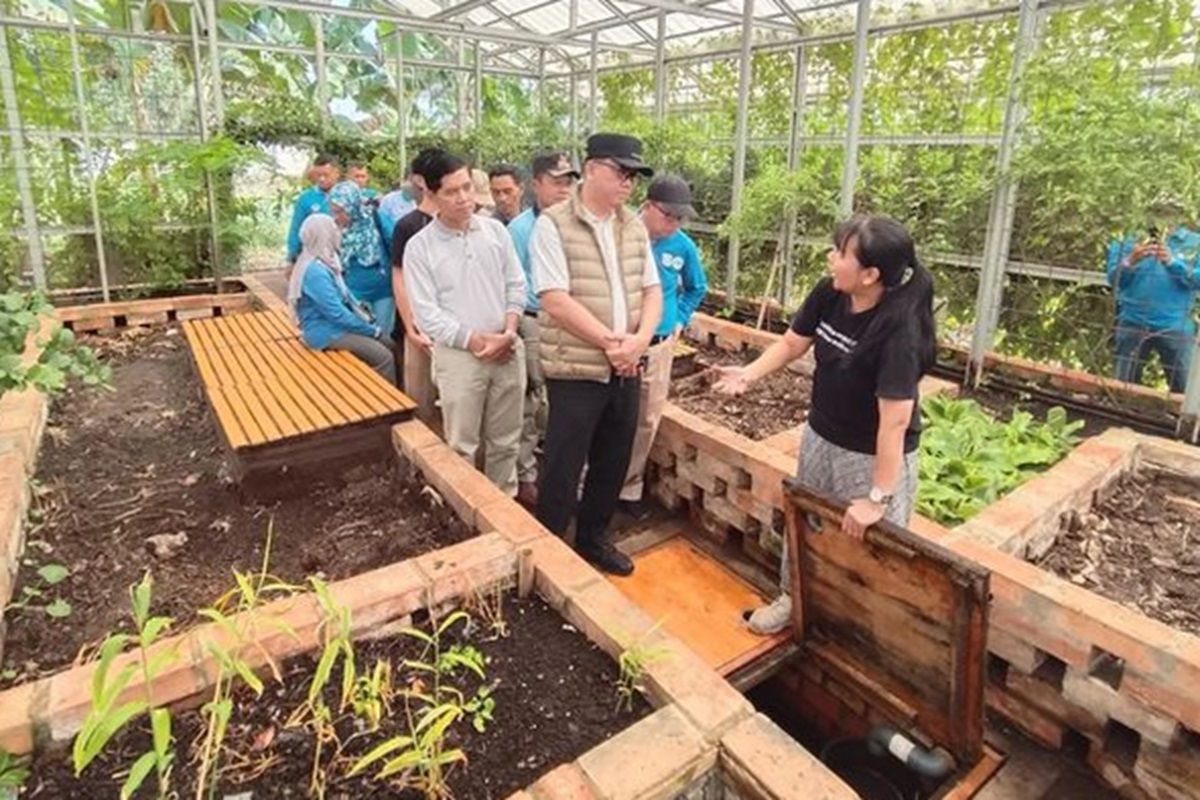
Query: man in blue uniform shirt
point(1155, 277)
point(668, 204)
point(313, 200)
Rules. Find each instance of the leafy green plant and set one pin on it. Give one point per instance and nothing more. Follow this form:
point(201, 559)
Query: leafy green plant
point(368, 696)
point(633, 662)
point(61, 357)
point(968, 458)
point(420, 758)
point(108, 715)
point(14, 771)
point(236, 616)
point(32, 593)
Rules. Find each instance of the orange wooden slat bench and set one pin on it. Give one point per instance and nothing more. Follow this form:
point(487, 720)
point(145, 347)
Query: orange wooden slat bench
point(279, 403)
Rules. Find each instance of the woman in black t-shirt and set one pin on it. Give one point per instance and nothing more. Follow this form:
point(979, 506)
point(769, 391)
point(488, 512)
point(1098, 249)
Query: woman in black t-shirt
point(870, 326)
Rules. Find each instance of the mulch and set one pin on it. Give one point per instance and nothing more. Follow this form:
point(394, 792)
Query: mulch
point(774, 404)
point(554, 692)
point(1139, 546)
point(117, 468)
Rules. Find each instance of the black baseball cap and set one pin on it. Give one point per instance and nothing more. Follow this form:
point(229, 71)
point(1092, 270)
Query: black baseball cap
point(625, 150)
point(672, 193)
point(555, 164)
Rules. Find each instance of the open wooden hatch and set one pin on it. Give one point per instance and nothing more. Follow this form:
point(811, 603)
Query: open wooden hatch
point(894, 627)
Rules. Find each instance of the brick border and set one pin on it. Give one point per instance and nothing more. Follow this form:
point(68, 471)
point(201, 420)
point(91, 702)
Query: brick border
point(106, 317)
point(700, 722)
point(22, 422)
point(1052, 638)
point(1045, 632)
point(1025, 521)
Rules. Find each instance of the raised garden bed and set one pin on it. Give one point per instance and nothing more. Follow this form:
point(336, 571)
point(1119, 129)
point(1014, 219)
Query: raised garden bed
point(135, 480)
point(774, 404)
point(1139, 544)
point(546, 695)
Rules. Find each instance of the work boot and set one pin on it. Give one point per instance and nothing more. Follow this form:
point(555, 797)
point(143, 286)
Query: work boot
point(607, 558)
point(527, 494)
point(772, 618)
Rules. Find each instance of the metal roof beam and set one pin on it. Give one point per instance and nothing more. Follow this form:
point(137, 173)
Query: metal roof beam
point(454, 30)
point(676, 6)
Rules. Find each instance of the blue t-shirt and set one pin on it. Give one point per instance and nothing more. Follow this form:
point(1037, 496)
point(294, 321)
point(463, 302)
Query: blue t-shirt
point(1154, 295)
point(325, 308)
point(312, 200)
point(683, 281)
point(521, 231)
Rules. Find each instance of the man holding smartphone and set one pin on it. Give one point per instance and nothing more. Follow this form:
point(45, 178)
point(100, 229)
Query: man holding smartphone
point(1155, 276)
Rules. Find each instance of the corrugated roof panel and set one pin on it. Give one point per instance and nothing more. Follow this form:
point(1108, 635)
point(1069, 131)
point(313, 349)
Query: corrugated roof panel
point(421, 8)
point(592, 11)
point(544, 20)
point(623, 34)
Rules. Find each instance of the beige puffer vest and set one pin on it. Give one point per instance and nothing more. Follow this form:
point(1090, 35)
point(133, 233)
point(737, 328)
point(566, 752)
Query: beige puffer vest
point(563, 354)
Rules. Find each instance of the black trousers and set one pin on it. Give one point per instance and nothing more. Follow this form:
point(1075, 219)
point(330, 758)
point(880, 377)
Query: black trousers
point(594, 423)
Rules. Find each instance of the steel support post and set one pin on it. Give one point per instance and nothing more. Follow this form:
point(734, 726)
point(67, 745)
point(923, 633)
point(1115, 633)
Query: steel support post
point(795, 143)
point(1004, 199)
point(33, 237)
point(660, 70)
point(739, 146)
point(858, 80)
point(85, 135)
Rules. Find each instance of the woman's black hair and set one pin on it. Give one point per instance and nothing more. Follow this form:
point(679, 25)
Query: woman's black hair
point(885, 244)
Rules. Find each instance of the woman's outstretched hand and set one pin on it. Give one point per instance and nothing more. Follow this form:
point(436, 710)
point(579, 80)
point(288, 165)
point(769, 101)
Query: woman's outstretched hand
point(730, 380)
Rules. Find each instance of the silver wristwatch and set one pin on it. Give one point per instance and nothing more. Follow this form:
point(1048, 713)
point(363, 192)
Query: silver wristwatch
point(878, 496)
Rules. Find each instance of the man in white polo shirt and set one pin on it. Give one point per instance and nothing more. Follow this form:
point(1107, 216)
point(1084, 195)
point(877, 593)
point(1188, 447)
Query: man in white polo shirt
point(467, 291)
point(599, 290)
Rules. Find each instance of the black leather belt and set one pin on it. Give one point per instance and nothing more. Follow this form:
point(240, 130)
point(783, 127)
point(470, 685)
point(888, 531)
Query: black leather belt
point(531, 314)
point(658, 338)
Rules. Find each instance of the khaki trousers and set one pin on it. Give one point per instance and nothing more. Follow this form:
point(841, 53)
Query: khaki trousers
point(656, 383)
point(534, 427)
point(482, 404)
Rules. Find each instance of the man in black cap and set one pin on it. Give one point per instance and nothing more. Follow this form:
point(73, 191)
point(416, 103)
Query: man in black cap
point(668, 204)
point(553, 178)
point(601, 301)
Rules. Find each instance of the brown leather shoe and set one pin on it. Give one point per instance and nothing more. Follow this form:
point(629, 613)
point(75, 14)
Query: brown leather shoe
point(527, 494)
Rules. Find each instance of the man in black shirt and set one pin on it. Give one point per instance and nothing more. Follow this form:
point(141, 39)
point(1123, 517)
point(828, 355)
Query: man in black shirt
point(413, 345)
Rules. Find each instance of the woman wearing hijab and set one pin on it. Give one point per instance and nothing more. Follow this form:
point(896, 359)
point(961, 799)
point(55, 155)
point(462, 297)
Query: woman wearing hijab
point(328, 315)
point(365, 268)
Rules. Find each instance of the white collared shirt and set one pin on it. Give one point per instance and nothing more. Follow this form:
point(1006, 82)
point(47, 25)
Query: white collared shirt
point(463, 281)
point(550, 270)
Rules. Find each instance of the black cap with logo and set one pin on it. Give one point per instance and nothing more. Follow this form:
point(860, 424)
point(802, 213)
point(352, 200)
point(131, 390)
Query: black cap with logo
point(625, 150)
point(672, 193)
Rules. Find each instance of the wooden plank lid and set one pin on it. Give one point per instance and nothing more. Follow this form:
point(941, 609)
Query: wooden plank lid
point(896, 616)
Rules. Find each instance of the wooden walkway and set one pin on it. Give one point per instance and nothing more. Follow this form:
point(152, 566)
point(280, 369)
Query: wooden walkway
point(279, 403)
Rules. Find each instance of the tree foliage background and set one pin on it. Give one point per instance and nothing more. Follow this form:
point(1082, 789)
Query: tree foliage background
point(1113, 119)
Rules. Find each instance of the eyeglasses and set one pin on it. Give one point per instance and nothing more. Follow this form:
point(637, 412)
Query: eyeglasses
point(627, 175)
point(666, 212)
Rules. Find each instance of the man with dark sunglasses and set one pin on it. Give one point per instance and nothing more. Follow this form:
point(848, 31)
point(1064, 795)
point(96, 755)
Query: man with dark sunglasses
point(598, 286)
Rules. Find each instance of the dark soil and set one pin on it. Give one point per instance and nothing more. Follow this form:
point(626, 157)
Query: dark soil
point(776, 403)
point(555, 698)
point(144, 460)
point(1140, 546)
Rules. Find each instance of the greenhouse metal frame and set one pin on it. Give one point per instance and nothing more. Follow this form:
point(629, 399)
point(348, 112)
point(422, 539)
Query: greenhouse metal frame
point(578, 41)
